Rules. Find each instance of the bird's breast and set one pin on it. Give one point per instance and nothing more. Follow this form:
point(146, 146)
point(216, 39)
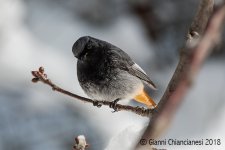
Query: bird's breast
point(94, 72)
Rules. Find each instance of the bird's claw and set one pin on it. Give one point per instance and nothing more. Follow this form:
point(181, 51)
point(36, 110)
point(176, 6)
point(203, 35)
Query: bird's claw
point(97, 103)
point(113, 105)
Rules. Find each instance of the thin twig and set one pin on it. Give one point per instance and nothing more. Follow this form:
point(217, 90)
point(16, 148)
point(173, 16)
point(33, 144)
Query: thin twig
point(192, 57)
point(41, 76)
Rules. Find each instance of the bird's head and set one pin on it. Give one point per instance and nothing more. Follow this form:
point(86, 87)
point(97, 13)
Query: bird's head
point(85, 45)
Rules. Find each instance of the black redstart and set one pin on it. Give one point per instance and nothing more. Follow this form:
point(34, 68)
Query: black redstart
point(105, 72)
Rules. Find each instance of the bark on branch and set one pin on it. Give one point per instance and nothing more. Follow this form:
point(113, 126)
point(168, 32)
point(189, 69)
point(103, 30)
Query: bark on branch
point(39, 75)
point(204, 34)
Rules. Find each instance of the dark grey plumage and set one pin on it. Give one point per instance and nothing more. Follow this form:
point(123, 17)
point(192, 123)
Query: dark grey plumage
point(105, 72)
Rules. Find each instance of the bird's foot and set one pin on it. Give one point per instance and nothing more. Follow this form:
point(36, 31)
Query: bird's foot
point(97, 103)
point(113, 105)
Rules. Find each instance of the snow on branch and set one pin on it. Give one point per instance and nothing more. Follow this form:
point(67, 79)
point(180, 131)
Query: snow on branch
point(80, 143)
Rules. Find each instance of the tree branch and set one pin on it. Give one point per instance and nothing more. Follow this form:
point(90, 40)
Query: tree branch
point(41, 76)
point(195, 51)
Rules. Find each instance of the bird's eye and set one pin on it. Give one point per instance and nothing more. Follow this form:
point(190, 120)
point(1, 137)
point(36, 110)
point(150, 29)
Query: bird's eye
point(85, 55)
point(89, 46)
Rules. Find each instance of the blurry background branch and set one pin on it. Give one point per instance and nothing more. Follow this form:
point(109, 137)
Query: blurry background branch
point(161, 25)
point(41, 76)
point(192, 56)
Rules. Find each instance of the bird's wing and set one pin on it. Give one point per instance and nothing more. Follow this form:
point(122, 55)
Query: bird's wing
point(137, 71)
point(126, 63)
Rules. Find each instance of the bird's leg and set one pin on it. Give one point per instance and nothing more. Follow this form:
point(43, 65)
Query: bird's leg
point(113, 104)
point(97, 103)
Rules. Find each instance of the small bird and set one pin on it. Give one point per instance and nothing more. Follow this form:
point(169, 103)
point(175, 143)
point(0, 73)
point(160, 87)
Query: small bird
point(105, 72)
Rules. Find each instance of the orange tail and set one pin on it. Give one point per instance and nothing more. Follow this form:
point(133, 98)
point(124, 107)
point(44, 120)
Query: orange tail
point(144, 98)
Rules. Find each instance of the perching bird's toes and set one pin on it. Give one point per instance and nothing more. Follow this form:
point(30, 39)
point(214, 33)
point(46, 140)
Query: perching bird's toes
point(113, 105)
point(97, 103)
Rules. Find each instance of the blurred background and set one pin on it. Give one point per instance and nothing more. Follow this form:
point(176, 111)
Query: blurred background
point(41, 33)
